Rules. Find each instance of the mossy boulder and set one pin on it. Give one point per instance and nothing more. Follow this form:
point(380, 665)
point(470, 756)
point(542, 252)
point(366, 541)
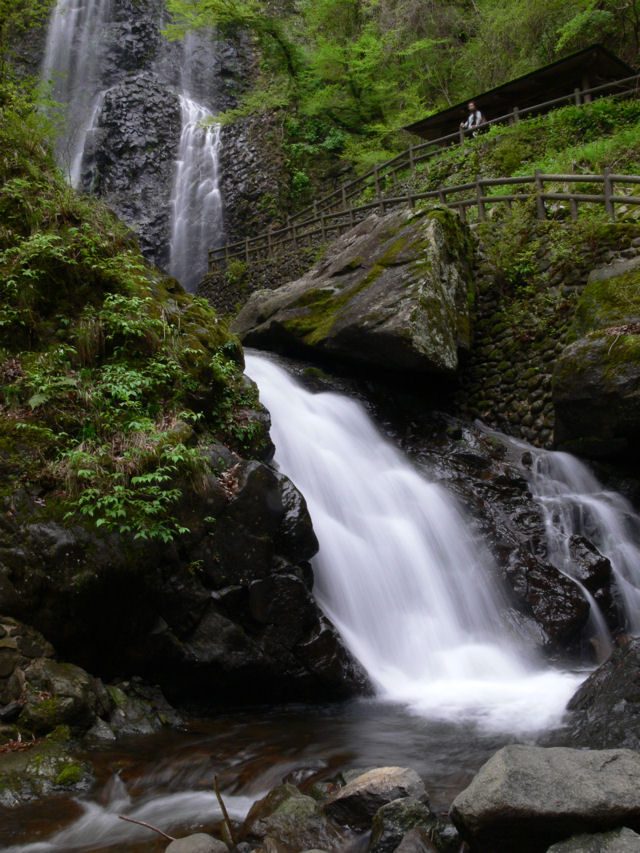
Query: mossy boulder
point(292, 819)
point(48, 767)
point(596, 380)
point(395, 291)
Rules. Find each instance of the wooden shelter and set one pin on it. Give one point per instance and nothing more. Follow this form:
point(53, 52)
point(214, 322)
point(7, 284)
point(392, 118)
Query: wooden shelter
point(589, 68)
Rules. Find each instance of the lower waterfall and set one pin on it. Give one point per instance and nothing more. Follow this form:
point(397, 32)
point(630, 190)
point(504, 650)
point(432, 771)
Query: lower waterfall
point(399, 572)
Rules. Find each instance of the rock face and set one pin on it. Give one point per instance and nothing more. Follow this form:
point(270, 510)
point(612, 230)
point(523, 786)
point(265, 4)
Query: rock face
point(225, 614)
point(596, 381)
point(605, 711)
point(394, 292)
point(527, 798)
point(136, 145)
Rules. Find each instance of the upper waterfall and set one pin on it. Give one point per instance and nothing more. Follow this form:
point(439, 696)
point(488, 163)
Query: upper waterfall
point(72, 64)
point(138, 130)
point(398, 570)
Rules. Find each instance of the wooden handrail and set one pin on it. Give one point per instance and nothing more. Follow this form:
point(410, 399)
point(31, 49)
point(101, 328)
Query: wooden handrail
point(342, 220)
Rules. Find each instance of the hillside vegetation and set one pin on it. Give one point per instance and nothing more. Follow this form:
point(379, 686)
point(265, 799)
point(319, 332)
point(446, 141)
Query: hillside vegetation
point(349, 74)
point(113, 381)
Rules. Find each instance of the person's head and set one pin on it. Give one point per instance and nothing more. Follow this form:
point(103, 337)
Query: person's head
point(472, 106)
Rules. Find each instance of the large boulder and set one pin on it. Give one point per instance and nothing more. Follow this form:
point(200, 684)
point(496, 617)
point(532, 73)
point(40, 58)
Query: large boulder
point(596, 380)
point(526, 798)
point(605, 711)
point(395, 292)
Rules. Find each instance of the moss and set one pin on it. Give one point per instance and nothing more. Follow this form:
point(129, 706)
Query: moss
point(607, 303)
point(70, 774)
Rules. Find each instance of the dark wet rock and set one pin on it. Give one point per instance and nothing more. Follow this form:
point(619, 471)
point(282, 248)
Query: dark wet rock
point(392, 292)
point(140, 709)
point(291, 819)
point(225, 614)
point(605, 711)
point(618, 841)
point(527, 798)
point(356, 804)
point(197, 843)
point(392, 821)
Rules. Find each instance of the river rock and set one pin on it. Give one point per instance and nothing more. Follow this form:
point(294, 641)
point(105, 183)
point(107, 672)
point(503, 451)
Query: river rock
point(197, 843)
point(618, 841)
point(416, 841)
point(392, 821)
point(527, 797)
point(393, 292)
point(605, 711)
point(356, 804)
point(291, 819)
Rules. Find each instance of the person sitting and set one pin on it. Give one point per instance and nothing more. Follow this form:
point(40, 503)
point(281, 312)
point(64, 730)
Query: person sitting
point(474, 119)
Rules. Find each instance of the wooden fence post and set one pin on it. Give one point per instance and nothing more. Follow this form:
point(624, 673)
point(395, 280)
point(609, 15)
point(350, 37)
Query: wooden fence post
point(294, 232)
point(516, 115)
point(482, 213)
point(412, 162)
point(376, 178)
point(576, 96)
point(315, 208)
point(322, 227)
point(462, 136)
point(351, 219)
point(246, 249)
point(269, 242)
point(344, 197)
point(542, 213)
point(608, 194)
point(411, 200)
point(442, 195)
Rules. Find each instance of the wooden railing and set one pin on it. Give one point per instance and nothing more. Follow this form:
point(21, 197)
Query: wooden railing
point(406, 162)
point(461, 198)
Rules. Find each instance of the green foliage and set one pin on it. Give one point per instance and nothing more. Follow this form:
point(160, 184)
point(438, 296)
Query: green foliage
point(113, 381)
point(351, 73)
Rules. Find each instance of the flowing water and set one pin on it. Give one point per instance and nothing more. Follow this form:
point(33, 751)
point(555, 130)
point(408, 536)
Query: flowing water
point(197, 201)
point(408, 586)
point(72, 65)
point(398, 571)
point(576, 504)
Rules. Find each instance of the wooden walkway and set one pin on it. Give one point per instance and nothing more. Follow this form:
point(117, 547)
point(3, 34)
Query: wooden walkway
point(335, 213)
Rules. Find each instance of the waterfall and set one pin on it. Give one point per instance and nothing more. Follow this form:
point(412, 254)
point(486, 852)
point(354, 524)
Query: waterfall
point(197, 202)
point(398, 571)
point(72, 65)
point(574, 503)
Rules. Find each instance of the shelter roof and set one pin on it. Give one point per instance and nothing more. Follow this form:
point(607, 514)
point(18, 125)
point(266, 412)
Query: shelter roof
point(588, 68)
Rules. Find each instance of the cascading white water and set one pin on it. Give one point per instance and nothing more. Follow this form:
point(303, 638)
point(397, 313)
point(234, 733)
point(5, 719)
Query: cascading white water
point(72, 66)
point(398, 571)
point(197, 201)
point(99, 825)
point(575, 503)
